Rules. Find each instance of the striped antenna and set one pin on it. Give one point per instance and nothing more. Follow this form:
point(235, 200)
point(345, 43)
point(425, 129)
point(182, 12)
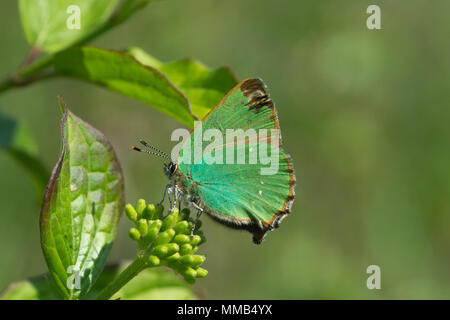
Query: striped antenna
point(145, 144)
point(157, 152)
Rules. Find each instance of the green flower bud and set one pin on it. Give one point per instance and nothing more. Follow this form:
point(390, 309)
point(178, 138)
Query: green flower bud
point(134, 234)
point(185, 249)
point(196, 239)
point(170, 220)
point(131, 212)
point(155, 224)
point(181, 239)
point(173, 248)
point(197, 260)
point(173, 258)
point(142, 225)
point(165, 237)
point(194, 249)
point(189, 273)
point(192, 260)
point(161, 250)
point(182, 227)
point(140, 206)
point(153, 230)
point(201, 273)
point(151, 235)
point(165, 250)
point(201, 235)
point(149, 212)
point(153, 261)
point(187, 260)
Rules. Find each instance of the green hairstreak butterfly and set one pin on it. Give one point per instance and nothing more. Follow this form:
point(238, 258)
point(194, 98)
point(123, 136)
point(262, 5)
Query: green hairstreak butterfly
point(235, 193)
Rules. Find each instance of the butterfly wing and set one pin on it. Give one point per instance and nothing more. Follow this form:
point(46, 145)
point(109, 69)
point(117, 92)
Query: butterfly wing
point(238, 195)
point(246, 106)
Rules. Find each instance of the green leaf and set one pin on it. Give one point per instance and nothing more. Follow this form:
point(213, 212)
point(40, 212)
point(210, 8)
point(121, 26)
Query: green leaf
point(38, 288)
point(121, 72)
point(45, 22)
point(17, 141)
point(128, 8)
point(81, 208)
point(155, 284)
point(204, 87)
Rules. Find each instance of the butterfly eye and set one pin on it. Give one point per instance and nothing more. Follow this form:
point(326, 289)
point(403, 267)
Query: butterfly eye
point(172, 167)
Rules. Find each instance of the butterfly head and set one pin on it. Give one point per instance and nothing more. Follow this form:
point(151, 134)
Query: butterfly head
point(169, 169)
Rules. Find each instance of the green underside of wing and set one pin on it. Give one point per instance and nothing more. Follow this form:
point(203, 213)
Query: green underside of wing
point(233, 113)
point(240, 191)
point(237, 190)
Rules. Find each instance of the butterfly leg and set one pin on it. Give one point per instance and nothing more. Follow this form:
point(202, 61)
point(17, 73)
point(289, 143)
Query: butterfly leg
point(170, 202)
point(170, 196)
point(177, 196)
point(165, 192)
point(199, 213)
point(174, 203)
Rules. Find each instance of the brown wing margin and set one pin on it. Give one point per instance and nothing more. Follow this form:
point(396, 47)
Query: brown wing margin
point(259, 234)
point(255, 91)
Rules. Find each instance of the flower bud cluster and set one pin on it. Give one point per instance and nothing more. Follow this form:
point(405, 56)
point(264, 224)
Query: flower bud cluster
point(166, 240)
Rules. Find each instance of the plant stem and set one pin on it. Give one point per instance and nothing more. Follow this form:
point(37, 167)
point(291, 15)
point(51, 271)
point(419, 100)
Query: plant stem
point(12, 82)
point(123, 278)
point(6, 84)
point(36, 67)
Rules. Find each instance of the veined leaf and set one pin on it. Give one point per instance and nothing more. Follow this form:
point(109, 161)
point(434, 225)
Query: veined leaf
point(121, 72)
point(150, 284)
point(204, 87)
point(16, 140)
point(81, 207)
point(48, 24)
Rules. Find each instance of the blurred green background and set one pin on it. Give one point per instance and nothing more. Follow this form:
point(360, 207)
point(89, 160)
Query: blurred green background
point(364, 114)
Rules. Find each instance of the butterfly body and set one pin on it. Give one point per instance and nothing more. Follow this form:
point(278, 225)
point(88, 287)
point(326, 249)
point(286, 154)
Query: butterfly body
point(238, 195)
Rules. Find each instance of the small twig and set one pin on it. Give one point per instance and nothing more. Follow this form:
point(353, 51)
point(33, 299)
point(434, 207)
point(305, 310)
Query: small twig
point(34, 52)
point(16, 82)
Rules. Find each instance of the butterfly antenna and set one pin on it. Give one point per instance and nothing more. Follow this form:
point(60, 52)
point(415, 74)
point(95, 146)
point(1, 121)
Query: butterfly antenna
point(153, 148)
point(149, 152)
point(156, 151)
